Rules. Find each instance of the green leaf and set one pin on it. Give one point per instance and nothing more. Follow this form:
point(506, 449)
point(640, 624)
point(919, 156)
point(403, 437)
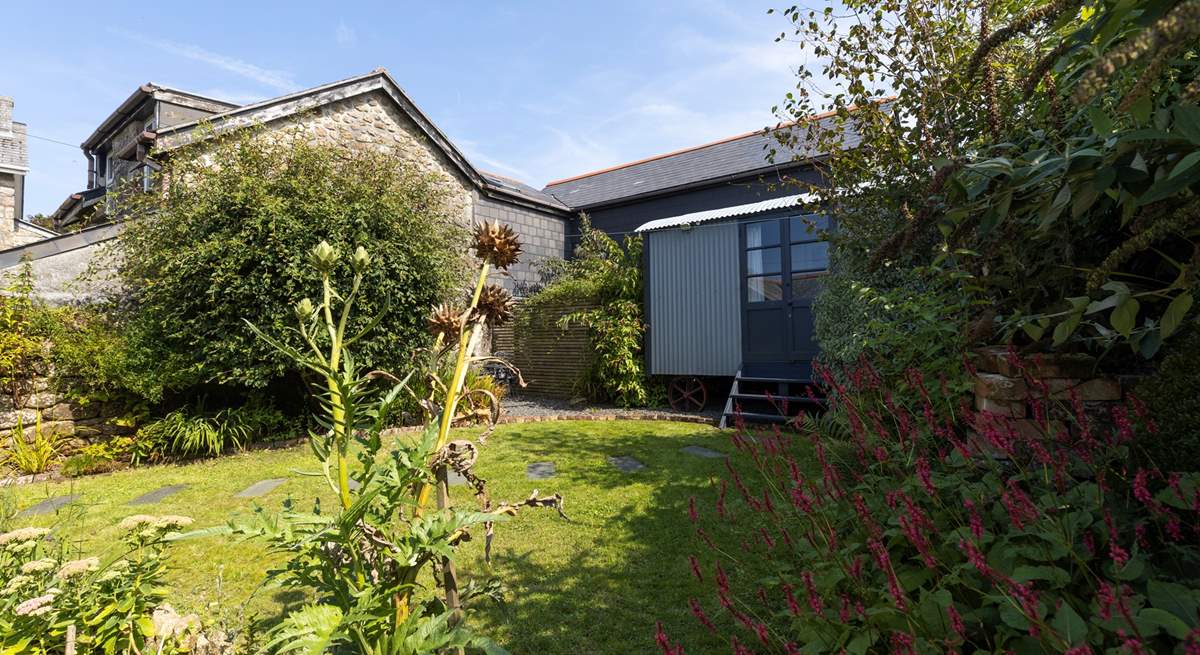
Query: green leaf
point(1149, 344)
point(1186, 163)
point(1187, 122)
point(1141, 108)
point(1100, 121)
point(1069, 625)
point(1174, 598)
point(1176, 311)
point(1165, 620)
point(1169, 186)
point(1124, 317)
point(1065, 329)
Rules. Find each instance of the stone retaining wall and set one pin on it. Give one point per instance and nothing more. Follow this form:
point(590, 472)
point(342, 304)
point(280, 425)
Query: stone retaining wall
point(81, 423)
point(1002, 387)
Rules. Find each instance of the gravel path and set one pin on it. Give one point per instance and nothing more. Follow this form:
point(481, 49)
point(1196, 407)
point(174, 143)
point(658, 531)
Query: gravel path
point(518, 406)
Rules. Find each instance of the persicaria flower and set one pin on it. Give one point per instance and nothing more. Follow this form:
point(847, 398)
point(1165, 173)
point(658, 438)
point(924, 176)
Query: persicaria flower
point(814, 599)
point(975, 521)
point(793, 606)
point(925, 475)
point(692, 513)
point(956, 621)
point(695, 566)
point(698, 612)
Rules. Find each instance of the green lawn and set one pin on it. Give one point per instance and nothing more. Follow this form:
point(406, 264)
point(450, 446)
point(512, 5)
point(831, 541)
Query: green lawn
point(594, 585)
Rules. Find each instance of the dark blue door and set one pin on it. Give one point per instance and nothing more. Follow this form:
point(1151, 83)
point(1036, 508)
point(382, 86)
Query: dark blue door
point(783, 261)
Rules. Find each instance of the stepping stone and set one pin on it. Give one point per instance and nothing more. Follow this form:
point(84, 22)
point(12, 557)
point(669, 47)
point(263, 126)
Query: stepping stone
point(626, 464)
point(157, 495)
point(49, 505)
point(540, 470)
point(260, 488)
point(701, 451)
point(455, 479)
point(355, 485)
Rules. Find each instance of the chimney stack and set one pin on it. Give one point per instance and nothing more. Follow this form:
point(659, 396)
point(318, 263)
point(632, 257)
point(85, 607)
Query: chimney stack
point(6, 116)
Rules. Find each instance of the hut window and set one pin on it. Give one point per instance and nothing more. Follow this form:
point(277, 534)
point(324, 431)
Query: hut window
point(762, 261)
point(764, 288)
point(810, 257)
point(764, 233)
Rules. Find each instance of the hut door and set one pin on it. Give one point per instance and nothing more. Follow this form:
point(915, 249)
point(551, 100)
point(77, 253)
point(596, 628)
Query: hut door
point(782, 266)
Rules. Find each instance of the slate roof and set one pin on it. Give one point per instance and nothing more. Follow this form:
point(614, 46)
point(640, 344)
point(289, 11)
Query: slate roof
point(518, 187)
point(379, 79)
point(739, 156)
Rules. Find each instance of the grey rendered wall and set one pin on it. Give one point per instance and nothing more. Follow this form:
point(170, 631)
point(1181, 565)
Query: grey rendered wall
point(693, 297)
point(543, 236)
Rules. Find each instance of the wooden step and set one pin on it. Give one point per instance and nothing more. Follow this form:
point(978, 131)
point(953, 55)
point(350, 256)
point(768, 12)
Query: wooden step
point(773, 397)
point(755, 416)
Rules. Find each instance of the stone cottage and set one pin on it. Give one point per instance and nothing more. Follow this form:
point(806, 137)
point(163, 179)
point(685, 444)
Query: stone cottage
point(367, 111)
point(14, 166)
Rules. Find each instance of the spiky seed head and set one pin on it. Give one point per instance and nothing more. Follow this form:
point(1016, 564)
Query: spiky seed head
point(495, 305)
point(498, 244)
point(445, 320)
point(361, 259)
point(323, 257)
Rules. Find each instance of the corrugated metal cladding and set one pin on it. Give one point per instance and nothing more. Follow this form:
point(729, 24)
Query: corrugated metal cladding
point(694, 313)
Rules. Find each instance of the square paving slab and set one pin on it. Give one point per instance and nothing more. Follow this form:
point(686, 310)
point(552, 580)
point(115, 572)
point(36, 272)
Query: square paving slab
point(49, 505)
point(157, 495)
point(260, 488)
point(540, 470)
point(701, 451)
point(455, 479)
point(626, 464)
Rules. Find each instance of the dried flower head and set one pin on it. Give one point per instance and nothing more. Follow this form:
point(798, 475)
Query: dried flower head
point(498, 244)
point(446, 321)
point(21, 535)
point(131, 523)
point(495, 305)
point(78, 567)
point(38, 566)
point(172, 522)
point(35, 606)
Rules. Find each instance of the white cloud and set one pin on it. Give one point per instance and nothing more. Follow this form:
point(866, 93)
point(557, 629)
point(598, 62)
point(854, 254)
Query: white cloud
point(345, 35)
point(275, 79)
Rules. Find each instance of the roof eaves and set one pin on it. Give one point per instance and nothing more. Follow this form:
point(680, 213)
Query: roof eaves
point(709, 215)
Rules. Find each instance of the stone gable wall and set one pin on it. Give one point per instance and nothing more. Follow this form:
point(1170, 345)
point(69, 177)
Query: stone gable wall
point(543, 236)
point(371, 121)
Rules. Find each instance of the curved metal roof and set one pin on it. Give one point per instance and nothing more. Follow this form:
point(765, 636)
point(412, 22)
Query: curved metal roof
point(727, 212)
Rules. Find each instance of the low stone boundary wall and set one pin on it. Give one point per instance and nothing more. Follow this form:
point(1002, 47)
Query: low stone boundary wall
point(59, 416)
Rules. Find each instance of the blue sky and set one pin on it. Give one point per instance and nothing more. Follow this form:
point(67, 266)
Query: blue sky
point(533, 90)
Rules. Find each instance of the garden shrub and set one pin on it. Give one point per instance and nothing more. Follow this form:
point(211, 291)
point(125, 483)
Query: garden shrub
point(196, 431)
point(950, 531)
point(1173, 396)
point(20, 343)
point(110, 604)
point(31, 454)
point(608, 275)
point(226, 244)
